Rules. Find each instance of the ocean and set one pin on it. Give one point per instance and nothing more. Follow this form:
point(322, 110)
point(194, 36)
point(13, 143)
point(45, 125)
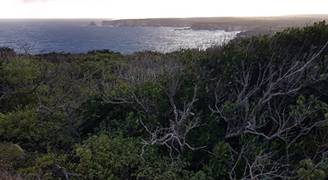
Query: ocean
point(78, 36)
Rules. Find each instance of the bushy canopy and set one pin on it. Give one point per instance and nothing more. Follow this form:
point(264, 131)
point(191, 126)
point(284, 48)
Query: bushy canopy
point(254, 108)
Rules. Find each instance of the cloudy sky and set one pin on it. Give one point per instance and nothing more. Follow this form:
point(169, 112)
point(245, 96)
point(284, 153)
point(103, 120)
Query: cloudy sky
point(117, 9)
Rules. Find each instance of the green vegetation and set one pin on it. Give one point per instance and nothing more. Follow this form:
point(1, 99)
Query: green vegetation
point(255, 108)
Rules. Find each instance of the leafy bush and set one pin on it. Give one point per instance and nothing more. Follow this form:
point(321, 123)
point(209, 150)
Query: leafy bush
point(254, 108)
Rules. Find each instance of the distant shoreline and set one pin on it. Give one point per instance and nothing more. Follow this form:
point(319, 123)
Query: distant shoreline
point(248, 26)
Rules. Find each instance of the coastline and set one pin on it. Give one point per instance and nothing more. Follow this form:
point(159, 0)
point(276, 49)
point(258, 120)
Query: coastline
point(248, 26)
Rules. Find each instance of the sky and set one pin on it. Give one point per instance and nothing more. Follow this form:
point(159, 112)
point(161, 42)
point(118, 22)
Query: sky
point(125, 9)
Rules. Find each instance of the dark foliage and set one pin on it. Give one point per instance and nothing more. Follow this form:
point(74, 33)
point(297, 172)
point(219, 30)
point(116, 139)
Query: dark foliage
point(255, 108)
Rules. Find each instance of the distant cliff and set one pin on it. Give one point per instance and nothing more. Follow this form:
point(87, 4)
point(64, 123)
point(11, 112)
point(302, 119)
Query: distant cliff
point(249, 25)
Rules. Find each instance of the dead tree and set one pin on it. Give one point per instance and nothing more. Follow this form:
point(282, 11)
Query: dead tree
point(183, 121)
point(259, 107)
point(252, 99)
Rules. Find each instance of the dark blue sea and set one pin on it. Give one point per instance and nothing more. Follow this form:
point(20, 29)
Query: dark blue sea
point(78, 36)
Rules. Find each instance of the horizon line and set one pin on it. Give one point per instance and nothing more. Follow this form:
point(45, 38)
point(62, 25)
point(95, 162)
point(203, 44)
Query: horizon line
point(189, 17)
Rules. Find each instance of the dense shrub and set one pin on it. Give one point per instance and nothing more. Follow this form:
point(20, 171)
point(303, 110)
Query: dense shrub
point(254, 108)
